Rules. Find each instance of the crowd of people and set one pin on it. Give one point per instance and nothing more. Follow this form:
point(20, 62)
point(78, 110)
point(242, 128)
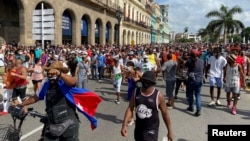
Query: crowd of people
point(185, 66)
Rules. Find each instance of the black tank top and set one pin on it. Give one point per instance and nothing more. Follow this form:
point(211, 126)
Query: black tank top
point(147, 117)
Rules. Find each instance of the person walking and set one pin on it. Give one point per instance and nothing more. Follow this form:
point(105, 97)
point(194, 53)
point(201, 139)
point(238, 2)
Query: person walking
point(9, 85)
point(62, 99)
point(82, 72)
point(181, 74)
point(215, 66)
point(37, 74)
point(194, 82)
point(232, 74)
point(147, 102)
point(116, 76)
point(169, 68)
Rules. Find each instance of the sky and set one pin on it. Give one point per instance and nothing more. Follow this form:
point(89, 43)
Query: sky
point(191, 13)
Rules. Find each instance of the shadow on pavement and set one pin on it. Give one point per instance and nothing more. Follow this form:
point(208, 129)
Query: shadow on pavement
point(182, 140)
point(111, 118)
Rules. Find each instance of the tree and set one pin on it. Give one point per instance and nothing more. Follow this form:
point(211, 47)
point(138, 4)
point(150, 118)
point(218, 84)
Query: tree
point(246, 33)
point(224, 22)
point(185, 29)
point(207, 35)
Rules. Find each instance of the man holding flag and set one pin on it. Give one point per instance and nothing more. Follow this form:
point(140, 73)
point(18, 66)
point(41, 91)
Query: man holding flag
point(62, 99)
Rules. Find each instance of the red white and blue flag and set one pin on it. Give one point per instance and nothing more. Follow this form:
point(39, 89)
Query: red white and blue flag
point(85, 100)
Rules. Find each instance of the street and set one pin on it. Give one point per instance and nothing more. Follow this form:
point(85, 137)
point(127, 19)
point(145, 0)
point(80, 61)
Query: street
point(185, 125)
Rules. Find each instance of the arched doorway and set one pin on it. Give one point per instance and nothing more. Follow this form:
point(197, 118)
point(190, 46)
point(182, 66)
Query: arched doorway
point(84, 29)
point(116, 28)
point(124, 37)
point(66, 27)
point(39, 7)
point(97, 31)
point(10, 11)
point(107, 32)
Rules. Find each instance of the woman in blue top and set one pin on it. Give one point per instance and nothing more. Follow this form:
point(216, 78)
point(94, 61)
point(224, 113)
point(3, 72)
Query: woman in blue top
point(132, 76)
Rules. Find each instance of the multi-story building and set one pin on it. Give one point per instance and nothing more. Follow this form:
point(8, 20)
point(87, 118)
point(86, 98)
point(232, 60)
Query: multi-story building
point(164, 24)
point(136, 25)
point(75, 21)
point(81, 21)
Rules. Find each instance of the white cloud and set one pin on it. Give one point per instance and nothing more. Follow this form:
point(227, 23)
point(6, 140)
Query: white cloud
point(191, 13)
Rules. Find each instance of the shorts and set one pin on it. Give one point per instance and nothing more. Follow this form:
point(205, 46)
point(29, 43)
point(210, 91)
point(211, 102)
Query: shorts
point(2, 70)
point(216, 81)
point(19, 92)
point(36, 81)
point(170, 88)
point(234, 90)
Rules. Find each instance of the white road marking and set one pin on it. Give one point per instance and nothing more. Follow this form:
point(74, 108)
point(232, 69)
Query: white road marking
point(31, 132)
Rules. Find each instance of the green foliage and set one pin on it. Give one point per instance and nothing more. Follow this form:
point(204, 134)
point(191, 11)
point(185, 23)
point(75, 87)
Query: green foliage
point(224, 22)
point(184, 40)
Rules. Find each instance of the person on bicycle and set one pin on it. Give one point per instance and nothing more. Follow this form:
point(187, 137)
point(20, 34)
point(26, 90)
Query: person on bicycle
point(58, 108)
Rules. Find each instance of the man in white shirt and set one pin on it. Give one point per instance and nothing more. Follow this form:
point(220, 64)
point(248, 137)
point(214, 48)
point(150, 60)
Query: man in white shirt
point(216, 64)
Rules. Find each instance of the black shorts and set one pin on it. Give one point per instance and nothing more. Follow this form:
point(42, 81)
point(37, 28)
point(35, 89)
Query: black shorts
point(19, 92)
point(36, 81)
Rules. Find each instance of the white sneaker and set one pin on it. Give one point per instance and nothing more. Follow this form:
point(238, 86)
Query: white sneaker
point(117, 102)
point(212, 103)
point(218, 103)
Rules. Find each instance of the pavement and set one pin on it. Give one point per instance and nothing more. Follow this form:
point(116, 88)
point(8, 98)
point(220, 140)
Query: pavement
point(110, 116)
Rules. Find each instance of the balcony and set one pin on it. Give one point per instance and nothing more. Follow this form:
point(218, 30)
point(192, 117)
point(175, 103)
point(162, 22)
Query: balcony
point(149, 8)
point(128, 20)
point(99, 2)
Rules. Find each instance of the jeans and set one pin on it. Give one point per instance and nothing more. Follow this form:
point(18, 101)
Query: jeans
point(194, 88)
point(101, 72)
point(81, 83)
point(94, 71)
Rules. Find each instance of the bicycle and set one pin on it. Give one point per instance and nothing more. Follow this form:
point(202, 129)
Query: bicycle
point(9, 132)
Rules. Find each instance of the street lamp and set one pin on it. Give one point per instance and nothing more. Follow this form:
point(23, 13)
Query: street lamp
point(119, 14)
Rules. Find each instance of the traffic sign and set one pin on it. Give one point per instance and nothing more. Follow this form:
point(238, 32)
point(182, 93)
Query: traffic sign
point(43, 24)
point(45, 37)
point(45, 12)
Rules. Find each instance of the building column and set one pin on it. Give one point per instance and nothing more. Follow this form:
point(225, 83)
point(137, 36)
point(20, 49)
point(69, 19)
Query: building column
point(111, 35)
point(58, 28)
point(25, 27)
point(102, 34)
point(76, 33)
point(91, 33)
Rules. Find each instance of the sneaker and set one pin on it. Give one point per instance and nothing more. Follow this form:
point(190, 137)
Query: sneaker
point(212, 103)
point(234, 110)
point(169, 106)
point(3, 113)
point(218, 103)
point(197, 113)
point(190, 109)
point(228, 104)
point(131, 123)
point(117, 102)
point(238, 97)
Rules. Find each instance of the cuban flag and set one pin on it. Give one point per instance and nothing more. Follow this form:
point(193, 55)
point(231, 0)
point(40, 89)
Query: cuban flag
point(85, 100)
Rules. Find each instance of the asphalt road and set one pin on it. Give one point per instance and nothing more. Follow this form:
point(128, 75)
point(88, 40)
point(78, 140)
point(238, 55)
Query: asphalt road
point(185, 125)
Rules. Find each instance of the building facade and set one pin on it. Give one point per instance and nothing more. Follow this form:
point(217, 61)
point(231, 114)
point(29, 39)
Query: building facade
point(83, 21)
point(76, 21)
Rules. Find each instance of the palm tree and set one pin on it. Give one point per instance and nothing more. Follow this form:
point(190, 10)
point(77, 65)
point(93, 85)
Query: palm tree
point(208, 35)
point(224, 21)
